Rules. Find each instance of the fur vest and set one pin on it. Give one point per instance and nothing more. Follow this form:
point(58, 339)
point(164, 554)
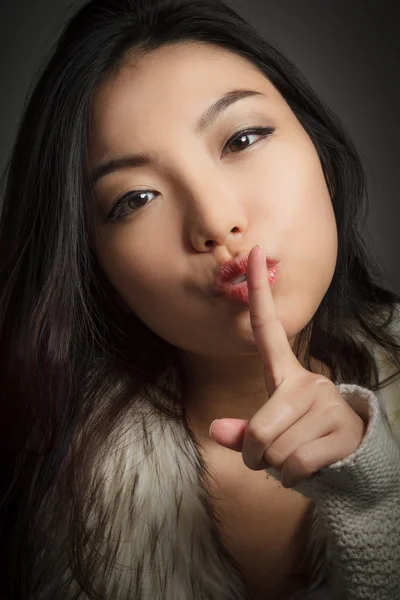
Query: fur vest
point(161, 538)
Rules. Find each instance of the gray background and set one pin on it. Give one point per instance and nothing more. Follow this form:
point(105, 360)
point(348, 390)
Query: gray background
point(348, 49)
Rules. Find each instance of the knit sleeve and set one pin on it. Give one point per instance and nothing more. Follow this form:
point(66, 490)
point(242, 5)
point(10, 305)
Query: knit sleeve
point(358, 500)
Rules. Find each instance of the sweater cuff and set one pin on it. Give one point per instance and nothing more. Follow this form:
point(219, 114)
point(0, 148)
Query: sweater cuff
point(372, 471)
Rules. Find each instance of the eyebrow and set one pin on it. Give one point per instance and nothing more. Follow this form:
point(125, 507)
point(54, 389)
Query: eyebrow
point(203, 123)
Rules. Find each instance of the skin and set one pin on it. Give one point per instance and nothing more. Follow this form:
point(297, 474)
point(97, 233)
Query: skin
point(210, 203)
point(206, 205)
point(306, 425)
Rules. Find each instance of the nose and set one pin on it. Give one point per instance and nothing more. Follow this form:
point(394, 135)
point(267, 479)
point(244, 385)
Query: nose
point(215, 215)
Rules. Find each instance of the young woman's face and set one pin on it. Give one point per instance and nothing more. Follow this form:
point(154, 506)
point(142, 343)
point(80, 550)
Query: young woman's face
point(206, 201)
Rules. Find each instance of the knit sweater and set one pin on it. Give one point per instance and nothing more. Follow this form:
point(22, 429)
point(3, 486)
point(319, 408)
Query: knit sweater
point(160, 536)
point(358, 500)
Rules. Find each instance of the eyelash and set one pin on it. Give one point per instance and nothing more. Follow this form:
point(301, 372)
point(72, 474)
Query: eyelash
point(115, 214)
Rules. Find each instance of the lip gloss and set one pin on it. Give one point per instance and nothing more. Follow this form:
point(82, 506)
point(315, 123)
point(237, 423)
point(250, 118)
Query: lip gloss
point(239, 292)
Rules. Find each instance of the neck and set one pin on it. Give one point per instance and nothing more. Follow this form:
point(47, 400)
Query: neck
point(234, 387)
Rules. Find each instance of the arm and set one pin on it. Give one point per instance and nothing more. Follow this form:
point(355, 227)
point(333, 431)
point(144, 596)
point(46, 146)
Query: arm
point(358, 499)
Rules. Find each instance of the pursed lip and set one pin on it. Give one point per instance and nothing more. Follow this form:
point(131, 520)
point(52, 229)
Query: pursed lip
point(232, 269)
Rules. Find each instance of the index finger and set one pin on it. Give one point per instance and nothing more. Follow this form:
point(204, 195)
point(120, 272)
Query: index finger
point(269, 333)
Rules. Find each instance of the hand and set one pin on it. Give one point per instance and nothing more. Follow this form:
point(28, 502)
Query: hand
point(305, 424)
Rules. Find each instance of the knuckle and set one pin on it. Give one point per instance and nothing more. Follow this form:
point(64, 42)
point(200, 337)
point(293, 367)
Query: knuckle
point(323, 390)
point(334, 414)
point(258, 432)
point(322, 381)
point(303, 463)
point(247, 460)
point(335, 410)
point(294, 410)
point(257, 321)
point(274, 457)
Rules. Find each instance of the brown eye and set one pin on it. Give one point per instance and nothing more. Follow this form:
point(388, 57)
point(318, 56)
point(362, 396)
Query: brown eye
point(128, 203)
point(240, 138)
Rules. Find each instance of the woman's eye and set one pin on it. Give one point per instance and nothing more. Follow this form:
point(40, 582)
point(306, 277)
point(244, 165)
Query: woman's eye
point(241, 136)
point(133, 201)
point(129, 203)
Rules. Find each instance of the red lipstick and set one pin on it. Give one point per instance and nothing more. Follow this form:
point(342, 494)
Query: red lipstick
point(232, 270)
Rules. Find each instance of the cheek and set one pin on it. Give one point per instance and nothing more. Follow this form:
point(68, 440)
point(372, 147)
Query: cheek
point(317, 225)
point(151, 282)
point(299, 203)
point(125, 261)
point(303, 230)
point(144, 275)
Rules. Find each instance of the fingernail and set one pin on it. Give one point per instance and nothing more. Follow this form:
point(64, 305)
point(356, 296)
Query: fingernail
point(209, 431)
point(262, 249)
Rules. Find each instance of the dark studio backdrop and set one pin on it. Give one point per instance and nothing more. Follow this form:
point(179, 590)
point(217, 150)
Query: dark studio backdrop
point(348, 49)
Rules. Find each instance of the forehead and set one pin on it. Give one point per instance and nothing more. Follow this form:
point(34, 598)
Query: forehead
point(175, 83)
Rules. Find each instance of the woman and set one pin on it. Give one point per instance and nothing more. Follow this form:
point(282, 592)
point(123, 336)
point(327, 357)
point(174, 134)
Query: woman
point(161, 144)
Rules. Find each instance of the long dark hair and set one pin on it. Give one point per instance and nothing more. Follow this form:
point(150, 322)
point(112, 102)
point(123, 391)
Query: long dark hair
point(66, 351)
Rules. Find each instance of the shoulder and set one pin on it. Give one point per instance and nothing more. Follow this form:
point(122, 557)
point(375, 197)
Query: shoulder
point(389, 394)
